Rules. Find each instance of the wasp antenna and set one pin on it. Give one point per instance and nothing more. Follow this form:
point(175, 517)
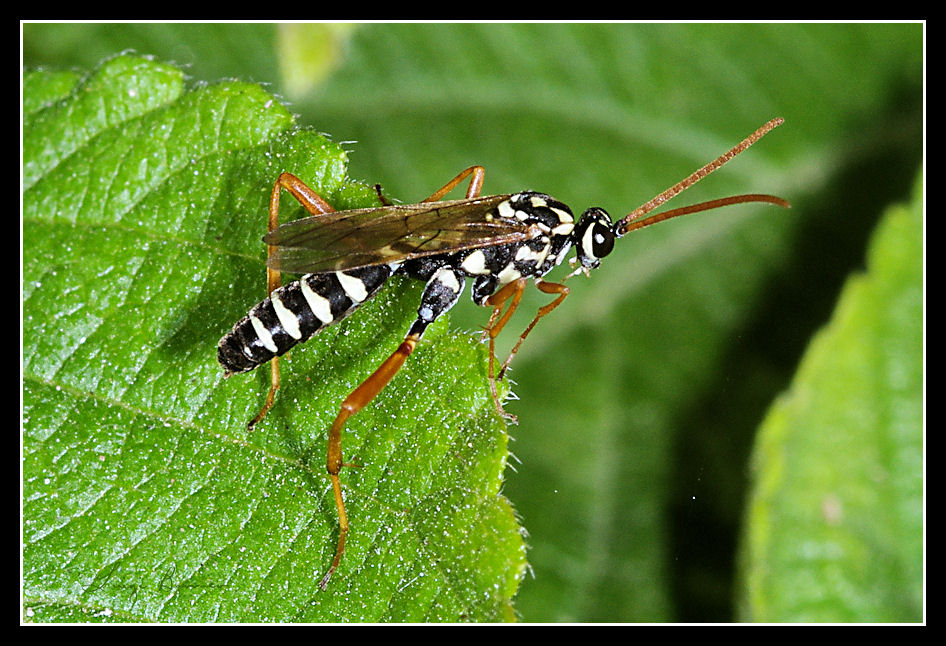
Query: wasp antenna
point(626, 227)
point(622, 226)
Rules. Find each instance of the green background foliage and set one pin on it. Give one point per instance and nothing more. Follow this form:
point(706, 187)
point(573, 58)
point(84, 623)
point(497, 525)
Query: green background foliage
point(640, 397)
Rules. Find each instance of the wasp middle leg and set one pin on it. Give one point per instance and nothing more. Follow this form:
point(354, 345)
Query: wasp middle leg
point(315, 205)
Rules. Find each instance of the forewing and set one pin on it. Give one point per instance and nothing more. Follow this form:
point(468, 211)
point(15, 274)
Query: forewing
point(364, 237)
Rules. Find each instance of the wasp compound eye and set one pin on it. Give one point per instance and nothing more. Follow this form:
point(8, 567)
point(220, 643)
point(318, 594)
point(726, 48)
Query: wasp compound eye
point(602, 240)
point(593, 237)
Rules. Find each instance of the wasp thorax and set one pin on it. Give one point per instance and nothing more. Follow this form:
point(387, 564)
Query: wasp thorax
point(594, 237)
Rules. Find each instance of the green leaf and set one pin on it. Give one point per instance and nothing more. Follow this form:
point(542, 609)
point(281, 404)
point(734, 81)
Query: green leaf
point(145, 498)
point(835, 524)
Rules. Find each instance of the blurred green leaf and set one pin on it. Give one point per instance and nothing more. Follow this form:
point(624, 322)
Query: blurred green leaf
point(145, 498)
point(835, 525)
point(308, 53)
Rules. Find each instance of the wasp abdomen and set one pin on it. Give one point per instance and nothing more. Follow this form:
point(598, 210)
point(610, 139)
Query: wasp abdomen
point(295, 312)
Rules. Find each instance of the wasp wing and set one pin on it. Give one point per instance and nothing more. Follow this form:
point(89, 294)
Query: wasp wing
point(376, 236)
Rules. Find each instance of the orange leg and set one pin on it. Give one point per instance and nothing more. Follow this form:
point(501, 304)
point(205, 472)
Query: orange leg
point(315, 205)
point(369, 389)
point(358, 399)
point(473, 190)
point(548, 288)
point(495, 325)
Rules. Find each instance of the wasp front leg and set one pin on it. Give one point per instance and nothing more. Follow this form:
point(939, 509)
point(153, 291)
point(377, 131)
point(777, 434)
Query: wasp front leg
point(547, 288)
point(512, 293)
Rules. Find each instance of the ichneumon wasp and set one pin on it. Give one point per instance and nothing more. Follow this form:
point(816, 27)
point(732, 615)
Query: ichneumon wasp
point(499, 242)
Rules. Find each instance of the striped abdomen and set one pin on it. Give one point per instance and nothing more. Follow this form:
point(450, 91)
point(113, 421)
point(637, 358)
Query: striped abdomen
point(295, 312)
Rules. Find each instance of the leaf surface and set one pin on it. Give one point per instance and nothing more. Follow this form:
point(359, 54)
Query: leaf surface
point(145, 498)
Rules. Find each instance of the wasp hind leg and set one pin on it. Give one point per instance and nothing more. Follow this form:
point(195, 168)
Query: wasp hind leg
point(315, 205)
point(441, 293)
point(358, 399)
